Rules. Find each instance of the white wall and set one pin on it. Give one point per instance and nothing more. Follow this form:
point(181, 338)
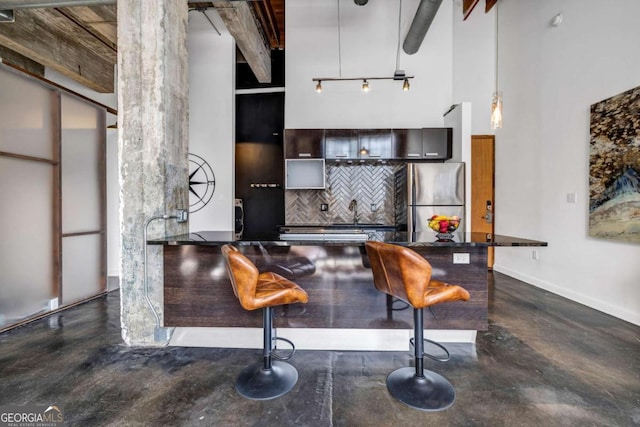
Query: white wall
point(550, 76)
point(212, 115)
point(368, 45)
point(474, 63)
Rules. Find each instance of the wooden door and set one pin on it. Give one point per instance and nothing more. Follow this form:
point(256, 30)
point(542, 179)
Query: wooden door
point(482, 187)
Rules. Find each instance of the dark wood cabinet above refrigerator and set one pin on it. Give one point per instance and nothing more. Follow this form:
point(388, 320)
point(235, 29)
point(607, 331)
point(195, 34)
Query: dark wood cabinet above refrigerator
point(423, 144)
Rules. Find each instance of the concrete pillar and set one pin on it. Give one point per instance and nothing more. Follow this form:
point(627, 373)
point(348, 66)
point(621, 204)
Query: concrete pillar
point(153, 146)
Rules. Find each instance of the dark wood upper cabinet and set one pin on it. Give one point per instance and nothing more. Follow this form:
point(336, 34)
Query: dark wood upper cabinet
point(375, 144)
point(304, 143)
point(260, 118)
point(407, 143)
point(437, 143)
point(341, 144)
point(419, 144)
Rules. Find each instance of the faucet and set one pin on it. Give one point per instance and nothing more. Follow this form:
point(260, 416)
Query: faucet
point(353, 207)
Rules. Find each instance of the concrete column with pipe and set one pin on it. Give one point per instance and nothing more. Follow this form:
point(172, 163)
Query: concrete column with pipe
point(153, 148)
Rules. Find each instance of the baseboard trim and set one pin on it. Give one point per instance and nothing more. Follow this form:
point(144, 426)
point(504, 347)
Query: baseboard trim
point(316, 338)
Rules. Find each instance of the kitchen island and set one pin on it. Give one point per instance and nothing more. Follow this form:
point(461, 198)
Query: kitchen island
point(345, 311)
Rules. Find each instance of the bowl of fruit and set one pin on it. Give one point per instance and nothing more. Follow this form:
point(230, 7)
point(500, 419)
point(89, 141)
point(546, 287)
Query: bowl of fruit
point(444, 226)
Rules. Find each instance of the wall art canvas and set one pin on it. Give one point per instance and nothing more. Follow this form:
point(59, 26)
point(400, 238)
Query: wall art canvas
point(614, 168)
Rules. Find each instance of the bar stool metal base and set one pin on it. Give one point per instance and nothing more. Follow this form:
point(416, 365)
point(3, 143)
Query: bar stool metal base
point(433, 392)
point(257, 383)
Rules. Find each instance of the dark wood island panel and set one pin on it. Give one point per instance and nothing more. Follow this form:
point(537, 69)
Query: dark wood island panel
point(197, 291)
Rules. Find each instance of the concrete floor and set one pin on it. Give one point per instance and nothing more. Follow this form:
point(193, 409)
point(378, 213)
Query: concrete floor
point(544, 361)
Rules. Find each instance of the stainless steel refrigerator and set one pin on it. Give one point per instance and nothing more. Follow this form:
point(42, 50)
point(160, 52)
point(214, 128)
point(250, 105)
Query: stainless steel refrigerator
point(434, 189)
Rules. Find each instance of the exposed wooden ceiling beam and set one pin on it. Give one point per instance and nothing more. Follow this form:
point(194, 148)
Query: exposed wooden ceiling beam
point(7, 56)
point(239, 20)
point(51, 39)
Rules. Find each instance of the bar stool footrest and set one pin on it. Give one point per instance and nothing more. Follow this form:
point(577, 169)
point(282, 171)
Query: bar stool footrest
point(283, 355)
point(412, 343)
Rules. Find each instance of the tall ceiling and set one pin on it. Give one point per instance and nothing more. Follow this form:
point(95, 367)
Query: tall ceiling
point(80, 41)
point(78, 38)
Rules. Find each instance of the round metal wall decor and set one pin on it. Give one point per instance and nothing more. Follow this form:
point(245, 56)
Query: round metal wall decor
point(202, 183)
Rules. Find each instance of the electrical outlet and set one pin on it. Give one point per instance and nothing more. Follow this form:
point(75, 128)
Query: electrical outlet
point(183, 215)
point(572, 197)
point(534, 254)
point(462, 258)
point(324, 207)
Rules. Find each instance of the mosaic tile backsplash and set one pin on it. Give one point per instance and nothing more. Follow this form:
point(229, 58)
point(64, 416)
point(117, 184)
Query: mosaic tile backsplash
point(377, 189)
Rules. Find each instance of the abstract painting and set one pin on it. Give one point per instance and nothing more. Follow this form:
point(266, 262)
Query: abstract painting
point(614, 168)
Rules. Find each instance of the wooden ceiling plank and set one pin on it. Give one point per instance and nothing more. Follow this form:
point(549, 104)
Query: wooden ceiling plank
point(489, 4)
point(239, 20)
point(269, 18)
point(98, 20)
point(467, 8)
point(32, 35)
point(66, 29)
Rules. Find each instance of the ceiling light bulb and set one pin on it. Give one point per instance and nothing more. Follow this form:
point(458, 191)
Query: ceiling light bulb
point(365, 86)
point(405, 85)
point(319, 86)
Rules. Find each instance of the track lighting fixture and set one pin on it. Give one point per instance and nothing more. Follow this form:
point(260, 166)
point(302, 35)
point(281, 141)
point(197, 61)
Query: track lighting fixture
point(364, 80)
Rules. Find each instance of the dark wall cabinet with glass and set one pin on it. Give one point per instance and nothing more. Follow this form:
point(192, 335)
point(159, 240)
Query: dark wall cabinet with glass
point(304, 143)
point(375, 144)
point(341, 144)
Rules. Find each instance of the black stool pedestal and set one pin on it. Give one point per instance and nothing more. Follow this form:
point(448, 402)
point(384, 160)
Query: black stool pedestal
point(257, 383)
point(271, 378)
point(430, 393)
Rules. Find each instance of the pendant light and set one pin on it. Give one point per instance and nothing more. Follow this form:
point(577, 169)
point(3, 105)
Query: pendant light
point(496, 101)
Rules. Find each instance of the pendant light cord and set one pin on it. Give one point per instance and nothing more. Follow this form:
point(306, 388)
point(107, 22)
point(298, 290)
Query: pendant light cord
point(497, 7)
point(399, 25)
point(339, 44)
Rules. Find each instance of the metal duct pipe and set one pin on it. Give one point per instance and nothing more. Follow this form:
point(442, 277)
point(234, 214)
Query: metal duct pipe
point(421, 22)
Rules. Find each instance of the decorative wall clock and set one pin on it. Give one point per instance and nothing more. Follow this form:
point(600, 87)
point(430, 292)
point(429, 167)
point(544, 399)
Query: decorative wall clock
point(202, 183)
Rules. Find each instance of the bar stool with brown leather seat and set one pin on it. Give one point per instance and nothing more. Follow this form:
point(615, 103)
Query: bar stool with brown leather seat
point(404, 274)
point(255, 290)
